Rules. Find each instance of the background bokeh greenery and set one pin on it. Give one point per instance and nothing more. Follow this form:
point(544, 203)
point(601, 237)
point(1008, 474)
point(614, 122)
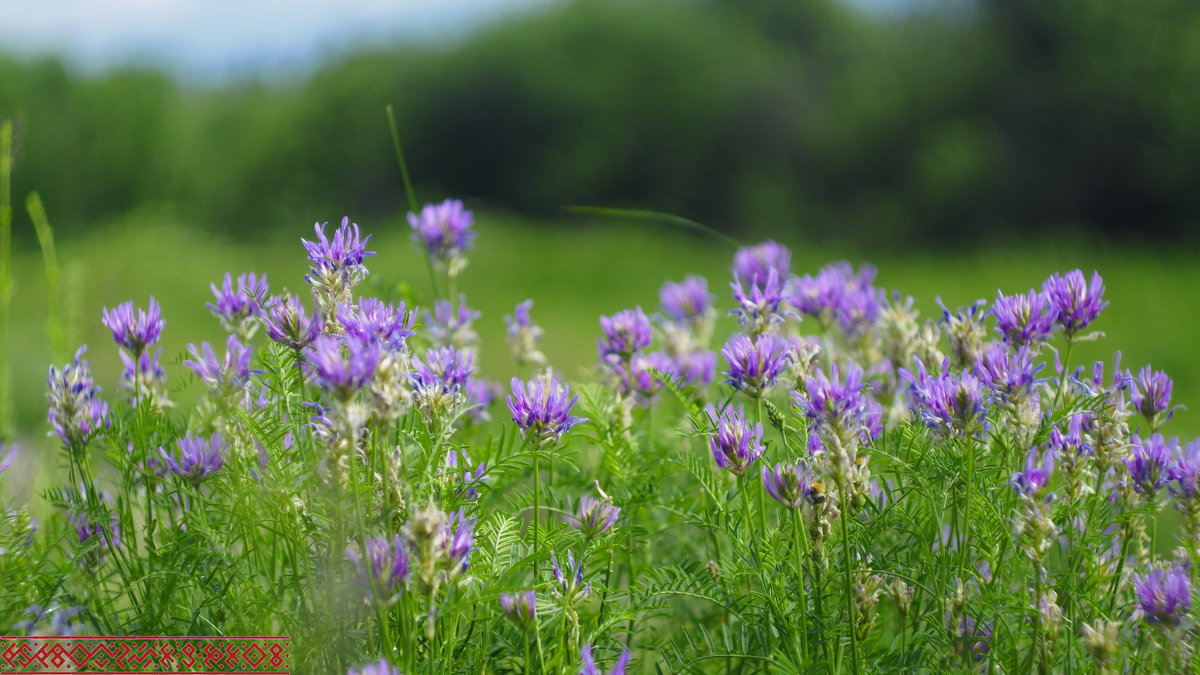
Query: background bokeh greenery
point(960, 147)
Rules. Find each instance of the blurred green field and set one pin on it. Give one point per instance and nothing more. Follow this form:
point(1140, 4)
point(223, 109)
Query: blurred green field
point(575, 270)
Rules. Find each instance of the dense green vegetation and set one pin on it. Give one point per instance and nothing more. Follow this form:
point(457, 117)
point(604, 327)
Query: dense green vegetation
point(979, 122)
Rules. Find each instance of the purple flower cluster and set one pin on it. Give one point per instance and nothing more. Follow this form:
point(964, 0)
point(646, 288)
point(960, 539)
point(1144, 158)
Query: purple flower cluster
point(134, 331)
point(571, 583)
point(520, 608)
point(450, 327)
point(542, 409)
point(228, 376)
point(1075, 302)
point(380, 667)
point(374, 321)
point(444, 370)
point(758, 309)
point(342, 254)
point(838, 293)
point(688, 301)
point(1010, 375)
point(234, 307)
point(342, 367)
point(1039, 469)
point(199, 458)
point(444, 230)
point(76, 411)
point(838, 406)
point(789, 484)
point(1148, 462)
point(1150, 394)
point(384, 570)
point(1184, 472)
point(594, 516)
point(1024, 319)
point(755, 263)
point(287, 324)
point(589, 663)
point(951, 402)
point(8, 459)
point(755, 365)
point(1164, 596)
point(736, 445)
point(625, 333)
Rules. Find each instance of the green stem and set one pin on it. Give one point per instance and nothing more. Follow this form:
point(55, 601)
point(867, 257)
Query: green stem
point(797, 533)
point(537, 510)
point(849, 590)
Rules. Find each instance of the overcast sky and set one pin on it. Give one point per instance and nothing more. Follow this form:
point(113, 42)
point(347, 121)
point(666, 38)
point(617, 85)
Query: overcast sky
point(218, 38)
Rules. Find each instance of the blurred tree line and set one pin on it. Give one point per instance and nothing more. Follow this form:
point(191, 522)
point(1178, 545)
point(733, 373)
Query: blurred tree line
point(948, 124)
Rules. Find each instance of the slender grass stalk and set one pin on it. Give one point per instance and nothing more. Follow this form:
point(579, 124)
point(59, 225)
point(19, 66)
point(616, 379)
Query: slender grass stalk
point(45, 236)
point(6, 152)
point(409, 193)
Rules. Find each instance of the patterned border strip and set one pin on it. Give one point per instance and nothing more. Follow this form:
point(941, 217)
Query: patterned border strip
point(207, 655)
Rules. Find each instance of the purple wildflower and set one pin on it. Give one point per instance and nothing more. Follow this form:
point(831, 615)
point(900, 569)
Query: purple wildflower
point(542, 409)
point(1151, 395)
point(572, 582)
point(372, 320)
point(1184, 472)
point(343, 253)
point(1074, 442)
point(838, 292)
point(134, 332)
point(736, 445)
point(380, 667)
point(470, 476)
point(198, 458)
point(1164, 596)
point(448, 326)
point(459, 542)
point(85, 526)
point(1024, 319)
point(480, 394)
point(1076, 302)
point(8, 459)
point(1033, 479)
point(287, 324)
point(144, 377)
point(696, 369)
point(755, 263)
point(1148, 463)
point(444, 369)
point(236, 306)
point(687, 301)
point(385, 569)
point(523, 336)
point(76, 411)
point(647, 373)
point(1009, 374)
point(445, 232)
point(625, 333)
point(788, 484)
point(951, 402)
point(758, 308)
point(226, 376)
point(589, 663)
point(342, 367)
point(594, 516)
point(520, 608)
point(837, 404)
point(754, 367)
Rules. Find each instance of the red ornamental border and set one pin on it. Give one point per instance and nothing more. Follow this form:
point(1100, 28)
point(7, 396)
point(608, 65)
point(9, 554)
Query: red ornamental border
point(257, 655)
